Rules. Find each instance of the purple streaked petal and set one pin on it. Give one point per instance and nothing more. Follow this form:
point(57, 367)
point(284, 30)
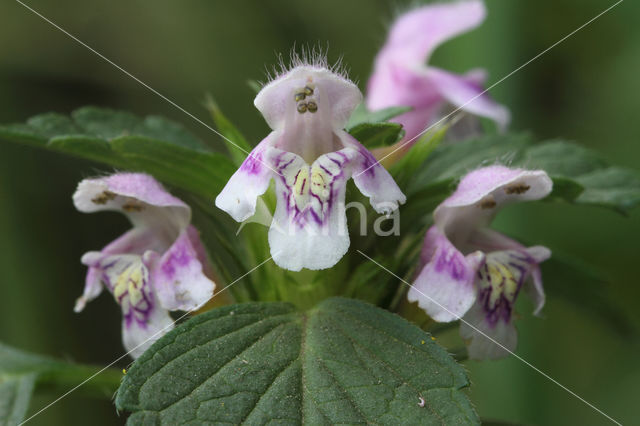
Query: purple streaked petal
point(201, 252)
point(373, 180)
point(136, 241)
point(177, 276)
point(240, 194)
point(444, 289)
point(128, 279)
point(138, 336)
point(489, 240)
point(309, 225)
point(501, 278)
point(478, 345)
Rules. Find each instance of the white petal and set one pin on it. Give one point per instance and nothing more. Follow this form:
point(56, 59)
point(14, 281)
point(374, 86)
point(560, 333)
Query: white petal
point(309, 226)
point(474, 328)
point(373, 180)
point(177, 277)
point(535, 290)
point(445, 289)
point(92, 288)
point(137, 337)
point(489, 240)
point(240, 194)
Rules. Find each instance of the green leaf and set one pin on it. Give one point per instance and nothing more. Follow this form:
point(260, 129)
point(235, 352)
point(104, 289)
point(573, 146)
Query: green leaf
point(344, 361)
point(374, 135)
point(589, 289)
point(21, 373)
point(237, 145)
point(200, 172)
point(453, 160)
point(362, 115)
point(109, 124)
point(404, 170)
point(611, 186)
point(604, 185)
point(153, 145)
point(15, 394)
point(579, 174)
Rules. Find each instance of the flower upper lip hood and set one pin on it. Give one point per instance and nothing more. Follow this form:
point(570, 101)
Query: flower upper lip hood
point(311, 157)
point(468, 270)
point(401, 78)
point(159, 265)
point(482, 192)
point(339, 95)
point(139, 196)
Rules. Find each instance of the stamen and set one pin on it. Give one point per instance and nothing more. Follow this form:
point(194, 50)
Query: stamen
point(518, 188)
point(132, 207)
point(312, 106)
point(302, 107)
point(487, 203)
point(308, 90)
point(104, 197)
point(300, 96)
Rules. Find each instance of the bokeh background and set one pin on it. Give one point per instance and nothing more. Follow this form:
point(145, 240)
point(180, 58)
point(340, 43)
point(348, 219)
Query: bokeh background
point(586, 89)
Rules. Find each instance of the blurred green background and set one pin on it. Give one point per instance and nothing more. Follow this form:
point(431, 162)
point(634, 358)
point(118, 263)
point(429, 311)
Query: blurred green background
point(585, 90)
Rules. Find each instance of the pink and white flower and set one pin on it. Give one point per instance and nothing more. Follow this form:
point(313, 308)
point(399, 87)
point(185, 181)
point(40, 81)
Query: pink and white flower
point(475, 273)
point(155, 267)
point(311, 158)
point(402, 78)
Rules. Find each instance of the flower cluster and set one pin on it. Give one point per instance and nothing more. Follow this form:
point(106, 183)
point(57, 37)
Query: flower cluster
point(467, 271)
